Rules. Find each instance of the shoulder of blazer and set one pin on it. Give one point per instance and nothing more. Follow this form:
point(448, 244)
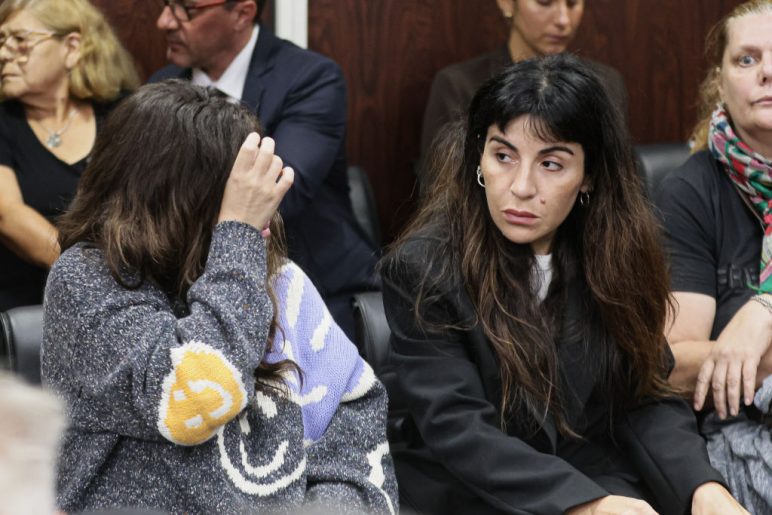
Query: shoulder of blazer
point(419, 260)
point(273, 52)
point(413, 260)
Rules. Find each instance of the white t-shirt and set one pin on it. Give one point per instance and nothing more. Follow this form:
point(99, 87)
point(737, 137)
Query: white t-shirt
point(542, 275)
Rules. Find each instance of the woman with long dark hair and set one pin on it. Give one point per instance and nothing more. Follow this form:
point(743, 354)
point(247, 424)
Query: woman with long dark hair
point(527, 302)
point(201, 369)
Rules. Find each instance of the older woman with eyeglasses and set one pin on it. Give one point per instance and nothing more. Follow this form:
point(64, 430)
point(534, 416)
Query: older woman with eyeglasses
point(61, 69)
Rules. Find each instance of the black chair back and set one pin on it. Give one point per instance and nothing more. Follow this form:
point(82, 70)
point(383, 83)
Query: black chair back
point(363, 204)
point(657, 160)
point(21, 331)
point(372, 329)
point(374, 335)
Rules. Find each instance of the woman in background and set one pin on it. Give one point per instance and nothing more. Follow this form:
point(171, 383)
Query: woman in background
point(527, 304)
point(62, 69)
point(536, 28)
point(717, 211)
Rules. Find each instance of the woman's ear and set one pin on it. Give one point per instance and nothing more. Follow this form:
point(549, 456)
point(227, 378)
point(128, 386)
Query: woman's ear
point(72, 45)
point(586, 186)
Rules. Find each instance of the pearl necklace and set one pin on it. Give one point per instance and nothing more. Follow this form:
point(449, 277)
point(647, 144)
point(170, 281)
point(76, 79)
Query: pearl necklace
point(55, 137)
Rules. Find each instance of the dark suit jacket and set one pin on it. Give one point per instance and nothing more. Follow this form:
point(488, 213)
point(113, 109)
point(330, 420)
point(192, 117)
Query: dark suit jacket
point(454, 86)
point(451, 455)
point(299, 97)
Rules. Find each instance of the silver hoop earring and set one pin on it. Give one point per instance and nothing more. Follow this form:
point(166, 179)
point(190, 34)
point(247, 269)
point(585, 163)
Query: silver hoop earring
point(480, 177)
point(584, 198)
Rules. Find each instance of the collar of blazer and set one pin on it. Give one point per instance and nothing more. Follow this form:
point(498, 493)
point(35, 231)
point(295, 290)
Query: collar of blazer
point(263, 60)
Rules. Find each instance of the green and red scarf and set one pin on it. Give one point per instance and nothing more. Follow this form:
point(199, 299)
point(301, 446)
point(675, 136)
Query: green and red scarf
point(752, 174)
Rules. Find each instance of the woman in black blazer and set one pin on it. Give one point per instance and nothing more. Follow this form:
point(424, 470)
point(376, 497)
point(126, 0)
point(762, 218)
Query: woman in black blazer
point(527, 302)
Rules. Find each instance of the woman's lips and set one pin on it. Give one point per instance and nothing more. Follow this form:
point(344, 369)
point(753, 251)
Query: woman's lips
point(559, 40)
point(515, 217)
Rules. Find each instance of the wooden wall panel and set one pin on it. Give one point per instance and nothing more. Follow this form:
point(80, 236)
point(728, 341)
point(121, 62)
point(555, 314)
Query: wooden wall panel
point(134, 23)
point(657, 45)
point(390, 50)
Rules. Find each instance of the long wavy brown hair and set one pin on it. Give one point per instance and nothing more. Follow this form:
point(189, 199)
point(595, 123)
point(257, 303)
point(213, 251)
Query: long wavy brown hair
point(611, 249)
point(151, 192)
point(715, 46)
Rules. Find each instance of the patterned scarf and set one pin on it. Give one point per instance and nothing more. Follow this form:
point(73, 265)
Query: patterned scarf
point(752, 174)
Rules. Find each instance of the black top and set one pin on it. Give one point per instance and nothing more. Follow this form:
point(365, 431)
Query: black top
point(712, 235)
point(47, 185)
point(451, 455)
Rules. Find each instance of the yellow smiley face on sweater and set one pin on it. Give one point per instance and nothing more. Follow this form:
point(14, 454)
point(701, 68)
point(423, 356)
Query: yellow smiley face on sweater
point(202, 392)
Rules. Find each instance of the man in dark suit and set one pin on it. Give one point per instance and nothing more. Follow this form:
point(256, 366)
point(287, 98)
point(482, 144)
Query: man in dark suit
point(300, 99)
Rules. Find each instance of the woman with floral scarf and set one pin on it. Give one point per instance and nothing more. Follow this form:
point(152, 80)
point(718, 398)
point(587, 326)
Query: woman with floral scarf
point(717, 211)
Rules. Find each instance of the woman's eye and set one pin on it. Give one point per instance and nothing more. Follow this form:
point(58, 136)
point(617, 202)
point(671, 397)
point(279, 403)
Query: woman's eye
point(746, 60)
point(504, 158)
point(552, 166)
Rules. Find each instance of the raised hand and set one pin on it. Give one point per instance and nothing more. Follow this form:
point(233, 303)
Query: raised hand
point(256, 185)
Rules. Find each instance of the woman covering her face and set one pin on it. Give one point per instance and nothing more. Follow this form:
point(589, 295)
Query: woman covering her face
point(201, 370)
point(536, 28)
point(717, 211)
point(527, 302)
point(61, 71)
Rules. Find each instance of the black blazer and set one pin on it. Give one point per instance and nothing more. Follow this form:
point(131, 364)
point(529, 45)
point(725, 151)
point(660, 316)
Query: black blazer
point(452, 456)
point(299, 97)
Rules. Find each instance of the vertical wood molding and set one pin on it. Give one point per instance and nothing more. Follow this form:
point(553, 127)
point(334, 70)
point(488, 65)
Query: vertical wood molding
point(292, 21)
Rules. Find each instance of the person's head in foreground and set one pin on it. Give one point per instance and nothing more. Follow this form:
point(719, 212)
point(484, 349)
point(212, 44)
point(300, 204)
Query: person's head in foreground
point(31, 423)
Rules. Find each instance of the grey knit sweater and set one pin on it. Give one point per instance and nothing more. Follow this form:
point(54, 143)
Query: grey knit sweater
point(163, 408)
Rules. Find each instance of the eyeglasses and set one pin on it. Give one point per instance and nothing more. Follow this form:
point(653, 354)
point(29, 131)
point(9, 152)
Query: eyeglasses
point(19, 43)
point(184, 11)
